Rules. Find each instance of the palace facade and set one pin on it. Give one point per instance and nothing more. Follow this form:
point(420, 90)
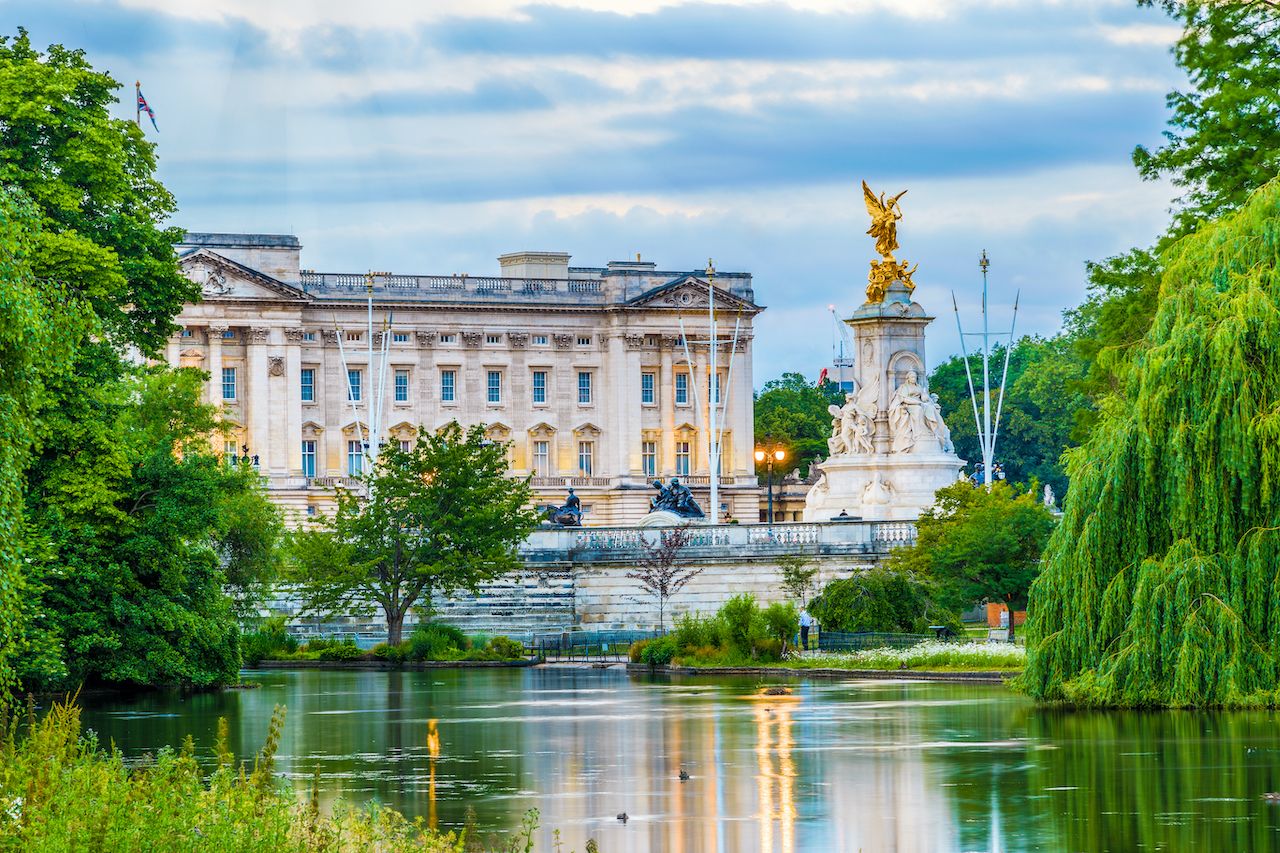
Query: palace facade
point(583, 371)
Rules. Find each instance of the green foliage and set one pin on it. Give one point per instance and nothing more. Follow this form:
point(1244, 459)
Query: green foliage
point(269, 641)
point(71, 795)
point(798, 573)
point(658, 652)
point(1042, 405)
point(693, 631)
point(504, 648)
point(345, 650)
point(792, 412)
point(1159, 587)
point(440, 517)
point(436, 641)
point(741, 618)
point(781, 621)
point(976, 545)
point(882, 600)
point(394, 654)
point(130, 574)
point(1224, 136)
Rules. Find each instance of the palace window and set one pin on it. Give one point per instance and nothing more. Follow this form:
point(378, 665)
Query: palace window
point(542, 457)
point(539, 386)
point(584, 340)
point(400, 337)
point(649, 458)
point(682, 389)
point(186, 333)
point(448, 339)
point(716, 388)
point(448, 386)
point(586, 449)
point(493, 339)
point(229, 334)
point(406, 446)
point(494, 386)
point(355, 458)
point(229, 451)
point(584, 387)
point(354, 337)
point(353, 385)
point(682, 458)
point(309, 336)
point(308, 384)
point(540, 340)
point(647, 396)
point(308, 458)
point(402, 386)
point(228, 383)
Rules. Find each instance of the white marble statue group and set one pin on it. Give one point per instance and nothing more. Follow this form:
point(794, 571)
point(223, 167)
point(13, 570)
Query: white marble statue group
point(915, 421)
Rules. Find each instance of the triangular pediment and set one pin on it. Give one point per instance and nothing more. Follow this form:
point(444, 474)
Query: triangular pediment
point(222, 279)
point(687, 293)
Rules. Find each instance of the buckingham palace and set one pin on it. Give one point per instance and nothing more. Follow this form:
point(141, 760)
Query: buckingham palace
point(598, 378)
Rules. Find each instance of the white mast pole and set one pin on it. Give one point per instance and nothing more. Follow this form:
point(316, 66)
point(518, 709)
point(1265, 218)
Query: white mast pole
point(713, 397)
point(987, 450)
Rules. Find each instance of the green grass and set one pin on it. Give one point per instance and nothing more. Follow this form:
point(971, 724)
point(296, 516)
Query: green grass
point(933, 656)
point(59, 791)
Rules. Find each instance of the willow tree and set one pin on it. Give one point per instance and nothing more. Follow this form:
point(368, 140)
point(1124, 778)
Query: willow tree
point(1161, 586)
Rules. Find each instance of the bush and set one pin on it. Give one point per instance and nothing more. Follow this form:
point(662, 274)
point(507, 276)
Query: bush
point(768, 649)
point(636, 652)
point(693, 631)
point(347, 650)
point(659, 652)
point(781, 623)
point(882, 600)
point(268, 641)
point(388, 652)
point(504, 648)
point(741, 618)
point(436, 641)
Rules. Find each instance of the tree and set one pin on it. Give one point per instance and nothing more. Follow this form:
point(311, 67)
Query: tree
point(976, 544)
point(1042, 405)
point(792, 412)
point(1224, 136)
point(798, 573)
point(139, 596)
point(662, 572)
point(437, 518)
point(882, 600)
point(1159, 587)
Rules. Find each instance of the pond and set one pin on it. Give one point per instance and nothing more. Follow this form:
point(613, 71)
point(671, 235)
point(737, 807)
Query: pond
point(837, 765)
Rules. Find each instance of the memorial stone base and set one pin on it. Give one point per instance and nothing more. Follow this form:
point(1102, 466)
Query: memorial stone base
point(880, 487)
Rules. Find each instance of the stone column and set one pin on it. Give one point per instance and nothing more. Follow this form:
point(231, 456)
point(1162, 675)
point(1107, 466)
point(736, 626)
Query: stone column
point(257, 400)
point(215, 363)
point(614, 408)
point(173, 351)
point(337, 411)
point(292, 458)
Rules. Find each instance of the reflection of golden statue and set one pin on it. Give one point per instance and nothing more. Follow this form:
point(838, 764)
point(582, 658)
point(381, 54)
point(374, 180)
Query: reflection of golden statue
point(884, 220)
point(884, 227)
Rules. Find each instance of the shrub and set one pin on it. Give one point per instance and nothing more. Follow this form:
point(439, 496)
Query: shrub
point(346, 650)
point(768, 649)
point(659, 652)
point(268, 641)
point(693, 631)
point(636, 653)
point(880, 599)
point(388, 652)
point(504, 648)
point(436, 641)
point(319, 644)
point(741, 618)
point(781, 623)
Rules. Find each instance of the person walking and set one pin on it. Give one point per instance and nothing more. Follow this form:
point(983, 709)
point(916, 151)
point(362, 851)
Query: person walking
point(806, 622)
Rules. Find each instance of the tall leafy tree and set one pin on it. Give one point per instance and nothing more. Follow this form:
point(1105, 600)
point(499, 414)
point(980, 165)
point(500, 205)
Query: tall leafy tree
point(791, 412)
point(977, 545)
point(440, 517)
point(1160, 585)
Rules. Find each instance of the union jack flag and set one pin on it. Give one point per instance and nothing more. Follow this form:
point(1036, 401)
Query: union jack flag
point(144, 107)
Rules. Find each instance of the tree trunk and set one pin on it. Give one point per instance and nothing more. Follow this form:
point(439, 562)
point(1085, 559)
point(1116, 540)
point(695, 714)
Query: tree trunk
point(395, 627)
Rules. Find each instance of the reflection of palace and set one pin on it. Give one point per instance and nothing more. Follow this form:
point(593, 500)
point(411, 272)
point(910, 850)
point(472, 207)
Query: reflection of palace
point(582, 369)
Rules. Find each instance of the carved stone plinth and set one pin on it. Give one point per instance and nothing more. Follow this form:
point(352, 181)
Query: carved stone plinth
point(880, 486)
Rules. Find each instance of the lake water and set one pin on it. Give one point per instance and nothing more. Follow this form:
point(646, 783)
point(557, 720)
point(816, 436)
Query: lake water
point(836, 766)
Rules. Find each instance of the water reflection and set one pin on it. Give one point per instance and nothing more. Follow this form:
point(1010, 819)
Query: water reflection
point(836, 766)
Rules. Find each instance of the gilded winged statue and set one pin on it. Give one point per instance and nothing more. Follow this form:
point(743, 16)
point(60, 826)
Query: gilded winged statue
point(884, 220)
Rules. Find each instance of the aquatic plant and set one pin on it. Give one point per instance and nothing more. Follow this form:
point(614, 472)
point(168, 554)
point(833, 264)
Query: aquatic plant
point(1159, 586)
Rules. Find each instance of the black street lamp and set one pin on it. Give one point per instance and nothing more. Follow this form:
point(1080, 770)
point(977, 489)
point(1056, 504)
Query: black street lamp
point(769, 456)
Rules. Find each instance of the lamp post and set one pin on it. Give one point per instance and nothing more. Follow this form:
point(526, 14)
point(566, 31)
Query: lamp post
point(769, 456)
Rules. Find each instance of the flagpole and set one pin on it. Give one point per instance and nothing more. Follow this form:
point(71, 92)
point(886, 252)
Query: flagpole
point(137, 103)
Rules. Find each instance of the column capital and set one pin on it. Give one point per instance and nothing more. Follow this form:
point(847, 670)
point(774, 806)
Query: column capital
point(218, 329)
point(259, 334)
point(294, 336)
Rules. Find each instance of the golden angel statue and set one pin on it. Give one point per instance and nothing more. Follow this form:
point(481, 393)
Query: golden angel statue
point(884, 220)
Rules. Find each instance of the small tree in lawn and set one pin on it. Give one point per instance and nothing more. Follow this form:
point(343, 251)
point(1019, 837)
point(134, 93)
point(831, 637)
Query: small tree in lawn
point(437, 518)
point(661, 572)
point(798, 573)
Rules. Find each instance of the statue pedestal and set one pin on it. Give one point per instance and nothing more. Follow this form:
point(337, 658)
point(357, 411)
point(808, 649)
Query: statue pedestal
point(880, 486)
point(663, 518)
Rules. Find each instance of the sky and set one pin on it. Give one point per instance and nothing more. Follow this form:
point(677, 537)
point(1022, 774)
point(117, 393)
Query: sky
point(431, 137)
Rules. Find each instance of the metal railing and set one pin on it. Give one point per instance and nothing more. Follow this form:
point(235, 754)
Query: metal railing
point(586, 645)
point(841, 641)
